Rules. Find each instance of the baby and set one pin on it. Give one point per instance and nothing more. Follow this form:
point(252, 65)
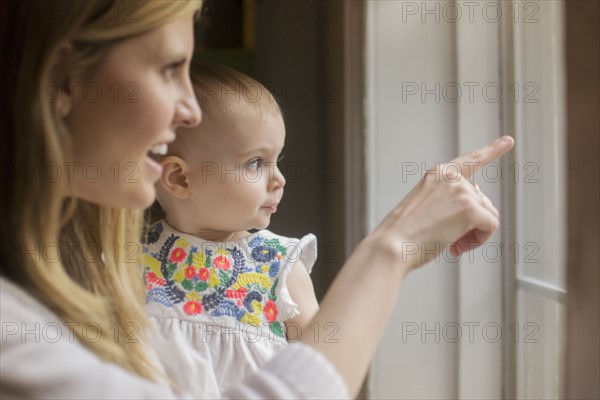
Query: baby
point(226, 300)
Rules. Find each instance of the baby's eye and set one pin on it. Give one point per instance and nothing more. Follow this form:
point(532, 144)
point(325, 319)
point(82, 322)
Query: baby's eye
point(255, 164)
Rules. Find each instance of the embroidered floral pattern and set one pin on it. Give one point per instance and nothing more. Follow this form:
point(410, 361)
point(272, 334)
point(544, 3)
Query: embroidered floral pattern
point(178, 254)
point(271, 311)
point(217, 281)
point(192, 308)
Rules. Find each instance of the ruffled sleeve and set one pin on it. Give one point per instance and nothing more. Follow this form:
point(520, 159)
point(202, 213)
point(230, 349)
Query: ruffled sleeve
point(304, 250)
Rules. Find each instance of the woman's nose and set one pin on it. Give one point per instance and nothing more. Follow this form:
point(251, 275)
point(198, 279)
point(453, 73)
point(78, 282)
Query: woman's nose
point(188, 113)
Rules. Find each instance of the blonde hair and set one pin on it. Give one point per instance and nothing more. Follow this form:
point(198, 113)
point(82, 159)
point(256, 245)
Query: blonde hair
point(95, 282)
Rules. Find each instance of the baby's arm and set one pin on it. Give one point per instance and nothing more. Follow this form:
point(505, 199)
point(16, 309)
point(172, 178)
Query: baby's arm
point(302, 292)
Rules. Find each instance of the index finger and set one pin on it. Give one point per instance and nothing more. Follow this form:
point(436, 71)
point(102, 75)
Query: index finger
point(472, 162)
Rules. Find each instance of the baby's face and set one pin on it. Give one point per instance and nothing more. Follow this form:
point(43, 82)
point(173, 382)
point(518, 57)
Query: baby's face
point(235, 183)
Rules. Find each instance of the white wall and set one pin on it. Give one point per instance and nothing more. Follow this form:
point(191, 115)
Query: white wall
point(408, 47)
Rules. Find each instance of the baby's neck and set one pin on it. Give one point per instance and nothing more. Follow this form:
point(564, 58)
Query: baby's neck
point(215, 236)
point(210, 235)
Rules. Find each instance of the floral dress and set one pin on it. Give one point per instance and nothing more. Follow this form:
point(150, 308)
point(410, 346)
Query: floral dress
point(219, 308)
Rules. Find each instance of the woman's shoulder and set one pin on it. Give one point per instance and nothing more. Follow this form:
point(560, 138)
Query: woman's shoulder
point(18, 307)
point(41, 358)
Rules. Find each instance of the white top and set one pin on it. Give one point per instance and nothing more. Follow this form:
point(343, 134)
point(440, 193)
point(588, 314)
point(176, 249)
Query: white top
point(221, 306)
point(39, 359)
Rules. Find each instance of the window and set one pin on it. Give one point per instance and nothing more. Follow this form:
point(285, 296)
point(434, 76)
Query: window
point(507, 59)
point(539, 237)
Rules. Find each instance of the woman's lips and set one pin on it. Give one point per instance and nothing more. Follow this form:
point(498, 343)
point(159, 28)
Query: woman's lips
point(154, 166)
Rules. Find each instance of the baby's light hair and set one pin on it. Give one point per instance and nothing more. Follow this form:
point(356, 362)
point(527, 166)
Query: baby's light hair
point(221, 91)
point(224, 95)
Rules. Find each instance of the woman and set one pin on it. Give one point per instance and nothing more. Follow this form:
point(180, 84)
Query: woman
point(93, 88)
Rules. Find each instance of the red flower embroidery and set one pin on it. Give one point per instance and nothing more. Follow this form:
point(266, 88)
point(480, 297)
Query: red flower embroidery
point(270, 311)
point(152, 278)
point(178, 254)
point(236, 294)
point(222, 262)
point(190, 272)
point(192, 308)
point(203, 274)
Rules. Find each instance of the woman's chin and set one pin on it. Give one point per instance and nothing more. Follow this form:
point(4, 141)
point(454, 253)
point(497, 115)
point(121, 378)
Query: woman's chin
point(131, 195)
point(144, 198)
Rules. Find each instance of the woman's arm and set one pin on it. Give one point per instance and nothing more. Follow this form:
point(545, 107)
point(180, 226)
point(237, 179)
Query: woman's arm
point(443, 209)
point(41, 359)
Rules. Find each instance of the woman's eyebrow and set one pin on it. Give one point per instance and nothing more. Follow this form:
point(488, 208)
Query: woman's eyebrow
point(165, 51)
point(171, 56)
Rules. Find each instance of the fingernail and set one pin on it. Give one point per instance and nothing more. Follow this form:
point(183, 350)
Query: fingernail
point(505, 140)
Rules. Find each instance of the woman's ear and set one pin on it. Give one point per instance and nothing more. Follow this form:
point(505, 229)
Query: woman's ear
point(62, 79)
point(174, 178)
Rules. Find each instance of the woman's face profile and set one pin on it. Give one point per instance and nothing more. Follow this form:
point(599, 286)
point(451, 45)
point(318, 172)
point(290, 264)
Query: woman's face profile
point(132, 103)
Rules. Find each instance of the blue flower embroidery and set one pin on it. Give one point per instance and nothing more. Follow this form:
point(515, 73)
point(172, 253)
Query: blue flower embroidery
point(264, 253)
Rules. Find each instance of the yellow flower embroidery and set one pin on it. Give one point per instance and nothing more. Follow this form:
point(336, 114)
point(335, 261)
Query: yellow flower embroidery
point(182, 243)
point(250, 278)
point(179, 276)
point(257, 307)
point(265, 268)
point(222, 251)
point(153, 264)
point(250, 319)
point(199, 260)
point(193, 296)
point(213, 280)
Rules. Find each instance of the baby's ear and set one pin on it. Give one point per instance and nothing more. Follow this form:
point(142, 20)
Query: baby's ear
point(174, 178)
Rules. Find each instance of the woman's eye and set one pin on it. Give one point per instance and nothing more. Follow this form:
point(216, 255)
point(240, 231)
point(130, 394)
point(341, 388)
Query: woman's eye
point(280, 158)
point(171, 68)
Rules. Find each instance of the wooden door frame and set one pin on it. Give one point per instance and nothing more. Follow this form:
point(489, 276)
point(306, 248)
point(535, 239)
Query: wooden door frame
point(583, 262)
